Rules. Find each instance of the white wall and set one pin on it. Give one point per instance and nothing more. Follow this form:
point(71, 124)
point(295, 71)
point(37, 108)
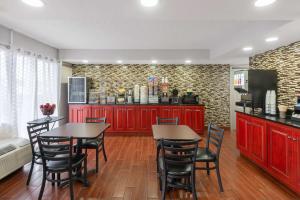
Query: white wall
point(26, 43)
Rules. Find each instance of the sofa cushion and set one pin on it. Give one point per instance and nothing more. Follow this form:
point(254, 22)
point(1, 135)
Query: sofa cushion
point(4, 149)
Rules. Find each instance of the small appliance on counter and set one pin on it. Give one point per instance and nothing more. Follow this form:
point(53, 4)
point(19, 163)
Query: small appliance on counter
point(190, 98)
point(136, 94)
point(153, 90)
point(253, 85)
point(121, 95)
point(111, 100)
point(164, 89)
point(296, 113)
point(174, 97)
point(94, 97)
point(129, 97)
point(144, 95)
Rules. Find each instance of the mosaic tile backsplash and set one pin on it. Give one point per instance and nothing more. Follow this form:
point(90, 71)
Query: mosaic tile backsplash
point(286, 60)
point(210, 82)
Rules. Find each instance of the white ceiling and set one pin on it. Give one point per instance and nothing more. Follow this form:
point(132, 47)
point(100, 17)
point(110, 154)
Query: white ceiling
point(210, 31)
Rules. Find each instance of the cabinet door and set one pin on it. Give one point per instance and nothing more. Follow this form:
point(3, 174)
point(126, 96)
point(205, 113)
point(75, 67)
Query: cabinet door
point(119, 118)
point(103, 111)
point(242, 129)
point(130, 124)
point(171, 112)
point(188, 117)
point(78, 113)
point(198, 123)
point(296, 162)
point(146, 117)
point(280, 151)
point(258, 142)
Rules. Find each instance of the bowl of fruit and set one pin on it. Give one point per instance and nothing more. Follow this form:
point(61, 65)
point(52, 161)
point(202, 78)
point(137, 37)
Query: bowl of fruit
point(48, 110)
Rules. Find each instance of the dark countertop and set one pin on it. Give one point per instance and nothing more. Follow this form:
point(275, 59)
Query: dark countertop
point(275, 119)
point(137, 104)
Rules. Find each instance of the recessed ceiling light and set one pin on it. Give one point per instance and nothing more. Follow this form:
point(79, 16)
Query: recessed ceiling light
point(149, 3)
point(247, 48)
point(34, 3)
point(119, 61)
point(262, 3)
point(85, 61)
point(154, 61)
point(271, 39)
point(188, 61)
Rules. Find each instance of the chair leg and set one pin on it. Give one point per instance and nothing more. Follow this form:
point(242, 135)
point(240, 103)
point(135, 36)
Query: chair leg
point(157, 156)
point(97, 160)
point(103, 151)
point(85, 171)
point(194, 186)
point(219, 177)
point(207, 168)
point(53, 178)
point(58, 178)
point(42, 185)
point(71, 185)
point(30, 172)
point(164, 187)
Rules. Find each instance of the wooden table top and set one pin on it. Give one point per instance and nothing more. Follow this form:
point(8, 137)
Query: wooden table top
point(78, 130)
point(174, 132)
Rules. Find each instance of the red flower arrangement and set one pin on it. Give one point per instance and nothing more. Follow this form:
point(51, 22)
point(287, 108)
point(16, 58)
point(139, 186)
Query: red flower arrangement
point(48, 109)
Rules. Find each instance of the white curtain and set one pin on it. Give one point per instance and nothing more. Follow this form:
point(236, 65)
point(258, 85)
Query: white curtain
point(27, 81)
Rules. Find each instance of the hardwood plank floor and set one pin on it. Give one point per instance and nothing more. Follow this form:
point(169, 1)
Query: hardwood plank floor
point(130, 173)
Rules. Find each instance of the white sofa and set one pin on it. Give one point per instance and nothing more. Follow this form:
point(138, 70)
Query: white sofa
point(14, 153)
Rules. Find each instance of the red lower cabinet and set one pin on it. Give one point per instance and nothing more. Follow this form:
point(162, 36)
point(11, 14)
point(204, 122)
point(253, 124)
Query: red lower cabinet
point(103, 111)
point(78, 114)
point(273, 146)
point(138, 118)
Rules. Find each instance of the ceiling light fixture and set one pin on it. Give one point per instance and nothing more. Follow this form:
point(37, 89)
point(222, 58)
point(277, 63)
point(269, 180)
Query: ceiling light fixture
point(247, 48)
point(149, 3)
point(271, 39)
point(188, 62)
point(85, 61)
point(119, 61)
point(263, 3)
point(154, 61)
point(34, 3)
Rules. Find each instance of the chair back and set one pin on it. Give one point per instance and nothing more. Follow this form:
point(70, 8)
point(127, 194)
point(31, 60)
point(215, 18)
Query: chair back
point(167, 121)
point(34, 131)
point(179, 153)
point(56, 149)
point(214, 138)
point(95, 120)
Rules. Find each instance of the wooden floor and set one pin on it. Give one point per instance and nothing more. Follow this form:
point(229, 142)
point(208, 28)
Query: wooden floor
point(130, 173)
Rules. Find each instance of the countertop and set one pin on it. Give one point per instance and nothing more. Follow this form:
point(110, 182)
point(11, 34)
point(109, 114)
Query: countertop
point(137, 104)
point(275, 119)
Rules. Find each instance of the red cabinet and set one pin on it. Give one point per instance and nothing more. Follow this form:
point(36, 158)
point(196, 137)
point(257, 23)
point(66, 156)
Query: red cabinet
point(258, 141)
point(146, 117)
point(280, 151)
point(138, 118)
point(273, 146)
point(103, 111)
point(78, 114)
point(242, 129)
point(193, 117)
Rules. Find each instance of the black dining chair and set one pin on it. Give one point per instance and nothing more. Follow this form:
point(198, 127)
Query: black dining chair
point(58, 158)
point(96, 144)
point(177, 165)
point(167, 121)
point(211, 152)
point(164, 121)
point(33, 132)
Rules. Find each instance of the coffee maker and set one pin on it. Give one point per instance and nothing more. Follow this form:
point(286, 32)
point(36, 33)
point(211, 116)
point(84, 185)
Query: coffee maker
point(296, 113)
point(252, 85)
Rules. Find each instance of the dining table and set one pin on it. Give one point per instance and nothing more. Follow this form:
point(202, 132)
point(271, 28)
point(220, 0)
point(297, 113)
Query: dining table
point(78, 131)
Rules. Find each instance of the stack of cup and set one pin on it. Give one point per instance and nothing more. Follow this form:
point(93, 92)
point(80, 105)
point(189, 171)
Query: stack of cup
point(282, 111)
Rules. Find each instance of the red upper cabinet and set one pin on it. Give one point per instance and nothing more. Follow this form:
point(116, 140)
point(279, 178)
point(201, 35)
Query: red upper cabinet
point(103, 111)
point(78, 113)
point(258, 141)
point(280, 151)
point(124, 118)
point(242, 133)
point(146, 117)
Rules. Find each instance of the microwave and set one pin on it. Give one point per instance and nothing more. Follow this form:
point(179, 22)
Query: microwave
point(78, 90)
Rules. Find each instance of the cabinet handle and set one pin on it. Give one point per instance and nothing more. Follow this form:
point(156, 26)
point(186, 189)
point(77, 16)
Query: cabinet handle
point(294, 139)
point(289, 137)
